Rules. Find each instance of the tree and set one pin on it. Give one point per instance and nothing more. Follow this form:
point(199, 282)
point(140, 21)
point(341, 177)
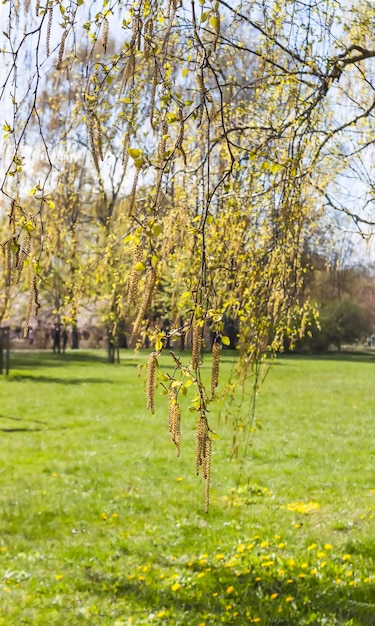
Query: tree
point(241, 123)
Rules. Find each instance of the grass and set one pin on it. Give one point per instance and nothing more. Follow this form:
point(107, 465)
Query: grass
point(100, 524)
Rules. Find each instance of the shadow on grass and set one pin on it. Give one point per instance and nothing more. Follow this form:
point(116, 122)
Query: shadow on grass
point(282, 603)
point(61, 381)
point(41, 425)
point(343, 356)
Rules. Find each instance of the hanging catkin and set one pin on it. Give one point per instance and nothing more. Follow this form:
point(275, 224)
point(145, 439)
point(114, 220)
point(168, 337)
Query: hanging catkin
point(206, 467)
point(215, 367)
point(60, 56)
point(8, 252)
point(105, 31)
point(30, 301)
point(151, 367)
point(23, 254)
point(147, 295)
point(49, 26)
point(135, 275)
point(201, 435)
point(133, 191)
point(174, 419)
point(196, 346)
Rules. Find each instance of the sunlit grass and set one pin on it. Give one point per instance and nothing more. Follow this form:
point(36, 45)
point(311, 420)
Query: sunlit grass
point(102, 524)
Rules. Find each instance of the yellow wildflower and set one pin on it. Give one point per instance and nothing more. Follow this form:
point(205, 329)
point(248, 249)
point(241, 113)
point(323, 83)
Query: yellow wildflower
point(230, 589)
point(175, 586)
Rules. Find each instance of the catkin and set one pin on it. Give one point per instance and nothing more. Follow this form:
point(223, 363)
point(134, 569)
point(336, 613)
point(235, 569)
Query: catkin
point(151, 367)
point(207, 472)
point(196, 346)
point(99, 136)
point(201, 434)
point(49, 26)
point(37, 7)
point(215, 367)
point(105, 31)
point(149, 290)
point(92, 131)
point(135, 275)
point(8, 253)
point(23, 253)
point(174, 420)
point(128, 71)
point(29, 307)
point(61, 50)
point(202, 92)
point(125, 153)
point(133, 191)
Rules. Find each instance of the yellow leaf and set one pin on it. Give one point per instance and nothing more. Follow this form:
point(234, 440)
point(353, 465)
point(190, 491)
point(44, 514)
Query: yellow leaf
point(135, 153)
point(139, 267)
point(225, 340)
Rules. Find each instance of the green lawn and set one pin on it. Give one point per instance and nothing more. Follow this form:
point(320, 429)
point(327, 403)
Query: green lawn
point(100, 523)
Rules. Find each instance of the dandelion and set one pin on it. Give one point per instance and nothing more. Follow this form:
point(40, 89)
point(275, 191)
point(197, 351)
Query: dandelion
point(230, 589)
point(264, 544)
point(161, 613)
point(220, 557)
point(4, 549)
point(274, 596)
point(175, 587)
point(281, 546)
point(313, 545)
point(327, 546)
point(201, 574)
point(179, 479)
point(289, 599)
point(58, 576)
point(256, 620)
point(346, 557)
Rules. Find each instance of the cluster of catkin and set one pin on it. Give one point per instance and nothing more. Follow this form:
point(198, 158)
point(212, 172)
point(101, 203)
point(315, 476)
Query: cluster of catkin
point(203, 450)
